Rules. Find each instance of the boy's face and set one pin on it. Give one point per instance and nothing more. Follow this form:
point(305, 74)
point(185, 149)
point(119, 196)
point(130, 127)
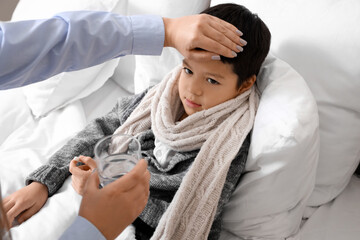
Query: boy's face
point(205, 84)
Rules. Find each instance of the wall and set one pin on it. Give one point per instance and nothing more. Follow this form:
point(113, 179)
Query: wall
point(6, 9)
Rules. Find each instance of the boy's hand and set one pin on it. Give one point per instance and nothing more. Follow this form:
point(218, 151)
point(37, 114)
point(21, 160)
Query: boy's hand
point(81, 173)
point(190, 33)
point(25, 202)
point(112, 208)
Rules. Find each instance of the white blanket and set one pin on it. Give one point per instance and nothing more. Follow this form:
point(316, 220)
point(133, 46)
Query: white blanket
point(27, 143)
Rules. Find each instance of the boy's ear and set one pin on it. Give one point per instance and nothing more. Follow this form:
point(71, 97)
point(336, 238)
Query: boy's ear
point(247, 84)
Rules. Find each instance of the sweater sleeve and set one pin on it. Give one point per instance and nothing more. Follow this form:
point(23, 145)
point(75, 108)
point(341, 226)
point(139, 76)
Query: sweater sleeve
point(54, 173)
point(56, 170)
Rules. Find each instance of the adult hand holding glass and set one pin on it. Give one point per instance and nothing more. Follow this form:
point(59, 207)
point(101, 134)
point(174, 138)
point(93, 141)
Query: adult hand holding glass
point(112, 208)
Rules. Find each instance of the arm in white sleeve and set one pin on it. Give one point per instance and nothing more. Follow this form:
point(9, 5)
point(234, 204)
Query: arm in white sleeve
point(82, 229)
point(34, 50)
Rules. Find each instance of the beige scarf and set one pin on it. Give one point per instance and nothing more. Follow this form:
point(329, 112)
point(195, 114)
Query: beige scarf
point(219, 133)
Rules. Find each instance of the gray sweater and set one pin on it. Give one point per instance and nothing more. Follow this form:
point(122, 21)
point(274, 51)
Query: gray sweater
point(164, 182)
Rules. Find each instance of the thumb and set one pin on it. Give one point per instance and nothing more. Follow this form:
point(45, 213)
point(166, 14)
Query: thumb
point(93, 181)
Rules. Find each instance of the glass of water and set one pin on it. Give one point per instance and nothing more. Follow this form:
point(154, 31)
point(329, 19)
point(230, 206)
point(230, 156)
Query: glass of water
point(116, 155)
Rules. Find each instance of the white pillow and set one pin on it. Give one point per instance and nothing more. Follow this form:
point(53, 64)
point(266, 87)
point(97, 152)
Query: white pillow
point(31, 9)
point(321, 40)
point(63, 88)
point(281, 165)
point(13, 112)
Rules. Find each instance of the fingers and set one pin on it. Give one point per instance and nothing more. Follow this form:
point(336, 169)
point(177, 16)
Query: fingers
point(222, 28)
point(27, 214)
point(205, 32)
point(11, 209)
point(89, 165)
point(88, 161)
point(225, 24)
point(222, 35)
point(225, 27)
point(77, 170)
point(31, 197)
point(8, 204)
point(72, 166)
point(211, 53)
point(226, 37)
point(201, 55)
point(13, 212)
point(81, 173)
point(213, 48)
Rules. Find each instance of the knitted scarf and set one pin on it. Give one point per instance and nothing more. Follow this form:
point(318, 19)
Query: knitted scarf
point(218, 132)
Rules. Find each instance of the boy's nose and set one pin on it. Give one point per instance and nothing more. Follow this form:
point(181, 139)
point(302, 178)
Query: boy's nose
point(194, 87)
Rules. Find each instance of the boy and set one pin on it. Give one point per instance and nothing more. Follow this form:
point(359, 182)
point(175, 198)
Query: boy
point(194, 131)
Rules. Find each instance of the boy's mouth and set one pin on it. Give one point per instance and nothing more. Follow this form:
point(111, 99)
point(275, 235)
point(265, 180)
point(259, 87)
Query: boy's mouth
point(191, 104)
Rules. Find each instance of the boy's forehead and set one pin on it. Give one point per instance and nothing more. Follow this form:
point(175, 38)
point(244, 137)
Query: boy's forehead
point(212, 67)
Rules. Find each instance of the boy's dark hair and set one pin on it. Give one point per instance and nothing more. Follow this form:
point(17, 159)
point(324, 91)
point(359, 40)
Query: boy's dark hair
point(256, 33)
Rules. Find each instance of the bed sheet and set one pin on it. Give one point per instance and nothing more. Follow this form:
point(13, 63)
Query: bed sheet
point(27, 142)
point(338, 219)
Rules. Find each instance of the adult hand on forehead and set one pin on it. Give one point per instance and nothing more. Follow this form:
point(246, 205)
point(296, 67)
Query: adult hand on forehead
point(190, 35)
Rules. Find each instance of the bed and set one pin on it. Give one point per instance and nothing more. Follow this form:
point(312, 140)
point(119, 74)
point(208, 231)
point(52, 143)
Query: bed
point(305, 143)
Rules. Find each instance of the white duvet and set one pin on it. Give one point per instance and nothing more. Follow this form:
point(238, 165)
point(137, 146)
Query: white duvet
point(27, 143)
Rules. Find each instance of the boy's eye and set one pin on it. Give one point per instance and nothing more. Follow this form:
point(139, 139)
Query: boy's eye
point(212, 81)
point(187, 71)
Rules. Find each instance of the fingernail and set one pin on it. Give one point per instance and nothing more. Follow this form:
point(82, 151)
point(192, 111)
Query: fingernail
point(239, 32)
point(76, 158)
point(243, 42)
point(239, 48)
point(215, 57)
point(233, 53)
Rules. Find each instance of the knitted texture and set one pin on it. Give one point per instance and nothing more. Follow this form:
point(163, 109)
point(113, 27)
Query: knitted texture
point(56, 170)
point(219, 131)
point(165, 181)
